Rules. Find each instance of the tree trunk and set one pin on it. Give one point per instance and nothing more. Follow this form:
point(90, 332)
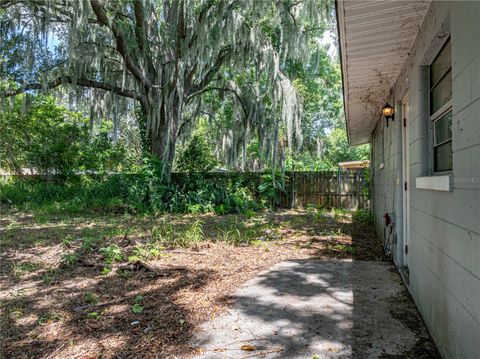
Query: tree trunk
point(163, 140)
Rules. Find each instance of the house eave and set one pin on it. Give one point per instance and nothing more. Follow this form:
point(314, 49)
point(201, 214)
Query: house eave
point(375, 39)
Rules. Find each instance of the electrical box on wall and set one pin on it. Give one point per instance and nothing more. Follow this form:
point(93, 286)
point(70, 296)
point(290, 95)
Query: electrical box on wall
point(389, 219)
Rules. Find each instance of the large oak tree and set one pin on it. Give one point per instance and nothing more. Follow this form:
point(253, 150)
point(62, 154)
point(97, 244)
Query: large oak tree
point(163, 55)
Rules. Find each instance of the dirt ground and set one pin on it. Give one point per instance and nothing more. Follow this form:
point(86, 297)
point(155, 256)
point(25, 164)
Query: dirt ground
point(62, 298)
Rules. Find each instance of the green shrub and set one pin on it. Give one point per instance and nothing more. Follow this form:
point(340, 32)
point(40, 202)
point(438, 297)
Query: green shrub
point(271, 188)
point(49, 138)
point(196, 157)
point(362, 216)
point(142, 192)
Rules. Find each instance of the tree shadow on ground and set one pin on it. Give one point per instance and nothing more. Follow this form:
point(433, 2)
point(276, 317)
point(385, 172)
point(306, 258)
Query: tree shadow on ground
point(169, 319)
point(114, 331)
point(49, 313)
point(332, 308)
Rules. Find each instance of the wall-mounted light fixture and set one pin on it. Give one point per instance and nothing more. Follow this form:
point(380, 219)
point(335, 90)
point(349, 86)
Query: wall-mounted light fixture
point(387, 111)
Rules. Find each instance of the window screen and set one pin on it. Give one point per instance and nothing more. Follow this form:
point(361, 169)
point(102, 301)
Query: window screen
point(441, 109)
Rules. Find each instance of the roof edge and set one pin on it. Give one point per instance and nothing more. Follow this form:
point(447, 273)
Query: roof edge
point(339, 12)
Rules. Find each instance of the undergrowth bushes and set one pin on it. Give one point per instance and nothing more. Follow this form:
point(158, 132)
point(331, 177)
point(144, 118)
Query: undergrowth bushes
point(132, 193)
point(362, 216)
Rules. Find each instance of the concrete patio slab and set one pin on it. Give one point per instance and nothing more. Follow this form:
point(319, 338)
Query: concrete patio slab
point(319, 309)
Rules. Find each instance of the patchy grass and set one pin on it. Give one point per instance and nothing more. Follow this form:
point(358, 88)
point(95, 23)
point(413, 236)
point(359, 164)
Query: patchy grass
point(138, 286)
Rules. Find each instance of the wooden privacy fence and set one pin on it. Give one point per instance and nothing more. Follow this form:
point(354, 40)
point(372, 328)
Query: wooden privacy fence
point(340, 189)
point(349, 190)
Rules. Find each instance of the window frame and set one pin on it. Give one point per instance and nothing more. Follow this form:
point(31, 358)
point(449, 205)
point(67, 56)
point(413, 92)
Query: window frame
point(439, 113)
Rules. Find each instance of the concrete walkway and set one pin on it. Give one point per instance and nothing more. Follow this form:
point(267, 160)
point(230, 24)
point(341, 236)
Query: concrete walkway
point(319, 309)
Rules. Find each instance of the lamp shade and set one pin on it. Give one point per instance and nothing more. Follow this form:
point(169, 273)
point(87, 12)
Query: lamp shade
point(387, 111)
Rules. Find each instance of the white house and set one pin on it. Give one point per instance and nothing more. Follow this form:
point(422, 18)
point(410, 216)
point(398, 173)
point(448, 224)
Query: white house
point(422, 58)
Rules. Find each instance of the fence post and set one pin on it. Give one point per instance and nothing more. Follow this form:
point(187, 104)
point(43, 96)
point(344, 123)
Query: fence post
point(294, 188)
point(359, 196)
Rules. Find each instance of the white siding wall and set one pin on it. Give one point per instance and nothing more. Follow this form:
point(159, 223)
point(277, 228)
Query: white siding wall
point(444, 247)
point(387, 182)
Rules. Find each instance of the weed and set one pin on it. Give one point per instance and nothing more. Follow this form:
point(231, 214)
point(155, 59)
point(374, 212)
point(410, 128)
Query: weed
point(362, 216)
point(167, 236)
point(111, 254)
point(148, 251)
point(249, 213)
point(89, 243)
point(240, 232)
point(154, 250)
point(231, 235)
point(163, 232)
point(90, 298)
point(339, 213)
point(239, 236)
point(311, 208)
point(93, 315)
point(193, 234)
point(69, 259)
point(258, 243)
point(48, 318)
point(43, 319)
point(49, 277)
point(345, 248)
point(322, 215)
point(20, 269)
point(137, 308)
point(68, 240)
point(105, 271)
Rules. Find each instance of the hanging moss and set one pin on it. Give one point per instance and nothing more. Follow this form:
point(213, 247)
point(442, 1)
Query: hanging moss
point(164, 54)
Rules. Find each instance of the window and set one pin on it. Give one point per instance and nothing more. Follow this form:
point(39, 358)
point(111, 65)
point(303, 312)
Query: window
point(441, 109)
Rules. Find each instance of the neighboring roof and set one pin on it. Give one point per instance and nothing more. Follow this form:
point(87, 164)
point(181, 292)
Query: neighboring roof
point(354, 164)
point(375, 38)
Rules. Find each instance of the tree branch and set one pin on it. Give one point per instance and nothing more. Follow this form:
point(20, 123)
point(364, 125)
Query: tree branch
point(213, 70)
point(120, 42)
point(81, 82)
point(214, 88)
point(140, 32)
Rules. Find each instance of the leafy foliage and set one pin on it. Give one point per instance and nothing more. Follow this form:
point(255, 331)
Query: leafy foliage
point(362, 216)
point(338, 150)
point(196, 157)
point(335, 149)
point(271, 188)
point(111, 254)
point(49, 139)
point(130, 193)
point(137, 307)
point(46, 138)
